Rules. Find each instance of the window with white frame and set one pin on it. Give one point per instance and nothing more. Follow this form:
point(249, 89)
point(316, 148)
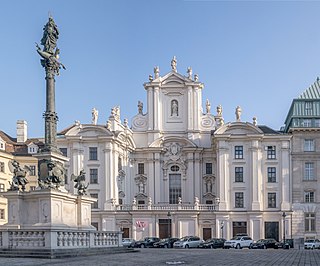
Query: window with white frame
point(317, 123)
point(208, 168)
point(2, 187)
point(272, 175)
point(94, 176)
point(309, 145)
point(174, 188)
point(308, 108)
point(238, 152)
point(310, 222)
point(95, 204)
point(2, 167)
point(309, 196)
point(2, 145)
point(306, 122)
point(238, 174)
point(64, 151)
point(239, 200)
point(271, 152)
point(2, 212)
point(309, 171)
point(272, 200)
point(141, 168)
point(93, 153)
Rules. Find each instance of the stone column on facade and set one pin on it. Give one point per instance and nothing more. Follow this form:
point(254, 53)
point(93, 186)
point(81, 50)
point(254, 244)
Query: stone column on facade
point(197, 176)
point(156, 108)
point(150, 108)
point(196, 107)
point(157, 178)
point(255, 175)
point(223, 175)
point(77, 161)
point(190, 105)
point(188, 181)
point(108, 169)
point(285, 175)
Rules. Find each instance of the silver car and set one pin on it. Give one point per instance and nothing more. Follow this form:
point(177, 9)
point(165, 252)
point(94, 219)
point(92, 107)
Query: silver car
point(188, 242)
point(312, 244)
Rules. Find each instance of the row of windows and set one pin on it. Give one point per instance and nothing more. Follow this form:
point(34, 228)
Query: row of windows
point(175, 168)
point(271, 172)
point(239, 200)
point(2, 212)
point(271, 152)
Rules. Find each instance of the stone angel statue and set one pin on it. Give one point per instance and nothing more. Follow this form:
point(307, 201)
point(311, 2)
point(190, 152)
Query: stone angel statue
point(19, 175)
point(80, 185)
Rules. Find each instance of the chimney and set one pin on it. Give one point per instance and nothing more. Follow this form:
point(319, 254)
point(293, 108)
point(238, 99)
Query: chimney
point(22, 131)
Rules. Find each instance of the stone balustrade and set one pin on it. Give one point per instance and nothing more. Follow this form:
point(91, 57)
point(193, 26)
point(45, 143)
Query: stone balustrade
point(168, 207)
point(58, 239)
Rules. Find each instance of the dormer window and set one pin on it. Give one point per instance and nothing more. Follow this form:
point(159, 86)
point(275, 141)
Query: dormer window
point(2, 145)
point(32, 149)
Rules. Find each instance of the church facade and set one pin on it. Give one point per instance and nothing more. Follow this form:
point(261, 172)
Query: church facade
point(180, 170)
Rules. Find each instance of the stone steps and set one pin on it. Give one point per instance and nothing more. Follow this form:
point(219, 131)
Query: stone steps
point(61, 253)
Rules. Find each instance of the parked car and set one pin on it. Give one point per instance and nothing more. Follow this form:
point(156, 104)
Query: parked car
point(287, 245)
point(312, 244)
point(213, 243)
point(239, 242)
point(188, 242)
point(165, 243)
point(264, 243)
point(147, 242)
point(127, 242)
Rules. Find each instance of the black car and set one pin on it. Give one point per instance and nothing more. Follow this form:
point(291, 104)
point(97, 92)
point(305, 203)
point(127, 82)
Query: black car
point(288, 244)
point(147, 242)
point(213, 243)
point(264, 243)
point(165, 243)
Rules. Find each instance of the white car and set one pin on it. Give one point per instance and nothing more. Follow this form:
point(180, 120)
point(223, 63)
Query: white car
point(188, 242)
point(312, 244)
point(127, 242)
point(239, 242)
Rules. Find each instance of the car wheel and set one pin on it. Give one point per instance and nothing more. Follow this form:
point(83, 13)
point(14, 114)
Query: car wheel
point(238, 246)
point(186, 246)
point(142, 246)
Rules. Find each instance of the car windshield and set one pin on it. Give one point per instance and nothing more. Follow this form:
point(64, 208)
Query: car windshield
point(184, 239)
point(164, 240)
point(309, 241)
point(261, 241)
point(236, 238)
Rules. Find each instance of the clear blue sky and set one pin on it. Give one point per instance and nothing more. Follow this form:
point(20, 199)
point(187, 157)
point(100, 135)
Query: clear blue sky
point(256, 54)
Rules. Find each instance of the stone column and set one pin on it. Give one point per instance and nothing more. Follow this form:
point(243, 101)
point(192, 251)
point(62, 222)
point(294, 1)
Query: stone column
point(255, 175)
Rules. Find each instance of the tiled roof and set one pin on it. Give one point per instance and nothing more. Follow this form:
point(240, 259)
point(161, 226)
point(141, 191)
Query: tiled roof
point(313, 92)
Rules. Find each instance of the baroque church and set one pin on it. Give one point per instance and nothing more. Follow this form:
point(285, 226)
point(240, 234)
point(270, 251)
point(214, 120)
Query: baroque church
point(180, 169)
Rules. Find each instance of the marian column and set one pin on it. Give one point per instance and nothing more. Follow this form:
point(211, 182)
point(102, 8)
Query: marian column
point(51, 161)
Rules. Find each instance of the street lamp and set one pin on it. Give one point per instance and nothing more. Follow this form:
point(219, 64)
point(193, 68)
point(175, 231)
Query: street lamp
point(284, 227)
point(169, 224)
point(221, 227)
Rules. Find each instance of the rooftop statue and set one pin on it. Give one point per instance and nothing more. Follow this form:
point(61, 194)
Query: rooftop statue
point(19, 175)
point(174, 64)
point(238, 113)
point(95, 114)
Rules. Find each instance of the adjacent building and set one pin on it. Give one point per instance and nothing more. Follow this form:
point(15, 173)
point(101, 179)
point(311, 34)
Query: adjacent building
point(303, 124)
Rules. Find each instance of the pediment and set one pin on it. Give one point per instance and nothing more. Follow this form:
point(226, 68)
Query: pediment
point(88, 131)
point(174, 79)
point(238, 128)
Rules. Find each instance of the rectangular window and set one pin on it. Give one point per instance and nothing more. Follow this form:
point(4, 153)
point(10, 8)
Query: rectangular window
point(174, 188)
point(272, 175)
point(309, 171)
point(64, 151)
point(309, 196)
point(239, 200)
point(310, 222)
point(2, 167)
point(309, 145)
point(238, 174)
point(32, 188)
point(93, 176)
point(93, 153)
point(238, 152)
point(308, 108)
point(317, 123)
point(2, 217)
point(306, 122)
point(271, 152)
point(32, 170)
point(1, 187)
point(272, 200)
point(208, 168)
point(95, 204)
point(141, 168)
point(119, 163)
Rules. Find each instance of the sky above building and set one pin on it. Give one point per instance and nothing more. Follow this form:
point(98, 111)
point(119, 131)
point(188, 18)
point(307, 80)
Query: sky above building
point(255, 54)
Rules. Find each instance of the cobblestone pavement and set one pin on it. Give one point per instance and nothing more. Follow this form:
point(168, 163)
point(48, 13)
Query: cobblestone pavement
point(182, 257)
